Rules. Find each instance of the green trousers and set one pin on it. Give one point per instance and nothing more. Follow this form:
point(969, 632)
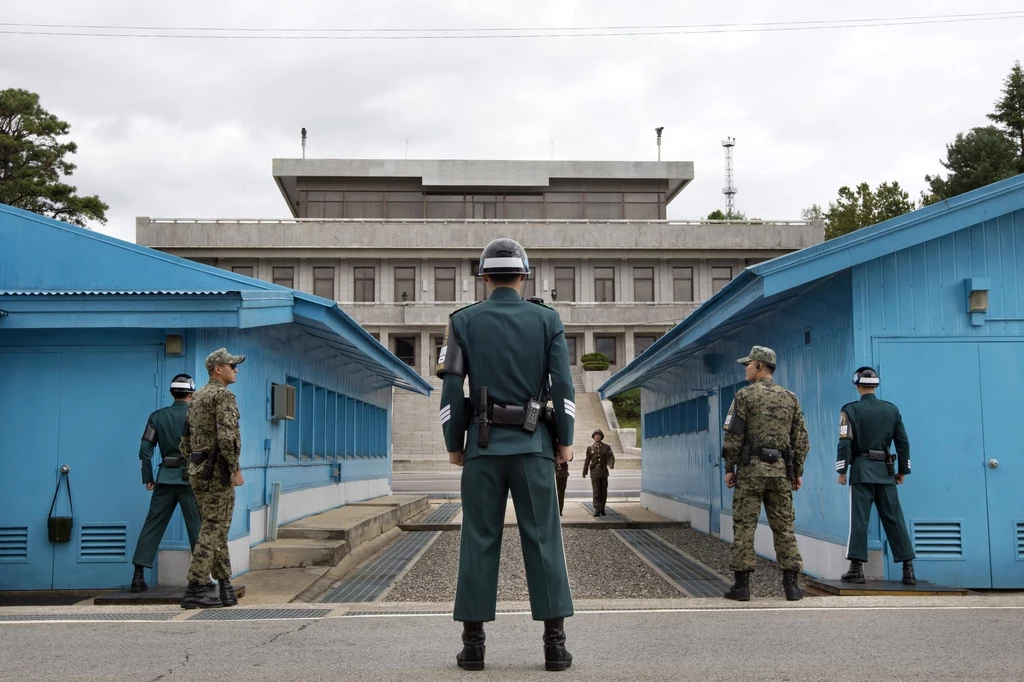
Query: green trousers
point(887, 501)
point(161, 507)
point(486, 483)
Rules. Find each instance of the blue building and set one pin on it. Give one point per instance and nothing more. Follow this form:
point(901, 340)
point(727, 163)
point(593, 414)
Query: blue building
point(935, 300)
point(91, 331)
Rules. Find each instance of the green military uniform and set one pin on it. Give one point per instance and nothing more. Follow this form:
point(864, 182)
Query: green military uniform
point(868, 426)
point(765, 428)
point(212, 442)
point(513, 348)
point(600, 459)
point(171, 487)
point(561, 479)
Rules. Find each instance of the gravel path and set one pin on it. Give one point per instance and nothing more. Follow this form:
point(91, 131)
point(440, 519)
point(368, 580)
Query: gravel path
point(765, 581)
point(600, 567)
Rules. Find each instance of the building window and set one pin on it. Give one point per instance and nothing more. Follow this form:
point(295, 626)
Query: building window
point(682, 284)
point(405, 349)
point(365, 280)
point(563, 205)
point(565, 285)
point(405, 205)
point(603, 206)
point(246, 270)
point(524, 207)
point(446, 206)
point(606, 345)
point(330, 425)
point(479, 286)
point(604, 285)
point(719, 278)
point(444, 284)
point(364, 205)
point(570, 341)
point(642, 206)
point(642, 343)
point(284, 277)
point(486, 206)
point(405, 285)
point(643, 285)
point(323, 282)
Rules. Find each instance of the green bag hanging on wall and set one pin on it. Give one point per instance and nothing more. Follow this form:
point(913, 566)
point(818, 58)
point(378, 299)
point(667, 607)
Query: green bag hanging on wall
point(59, 527)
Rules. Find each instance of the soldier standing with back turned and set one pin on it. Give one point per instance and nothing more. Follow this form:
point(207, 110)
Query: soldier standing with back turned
point(213, 443)
point(600, 459)
point(866, 430)
point(765, 447)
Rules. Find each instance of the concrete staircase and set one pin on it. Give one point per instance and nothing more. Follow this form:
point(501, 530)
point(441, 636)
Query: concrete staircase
point(325, 539)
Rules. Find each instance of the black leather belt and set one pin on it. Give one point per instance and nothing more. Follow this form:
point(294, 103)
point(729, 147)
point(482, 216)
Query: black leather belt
point(503, 415)
point(875, 455)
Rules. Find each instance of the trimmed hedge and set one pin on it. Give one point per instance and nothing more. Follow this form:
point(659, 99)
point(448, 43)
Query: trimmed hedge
point(595, 362)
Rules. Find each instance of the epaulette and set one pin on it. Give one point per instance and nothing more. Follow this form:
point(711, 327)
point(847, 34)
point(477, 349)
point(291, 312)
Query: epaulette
point(465, 307)
point(539, 301)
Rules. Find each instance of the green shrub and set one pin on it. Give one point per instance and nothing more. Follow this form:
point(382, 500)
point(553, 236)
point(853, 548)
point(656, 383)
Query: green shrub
point(595, 362)
point(627, 405)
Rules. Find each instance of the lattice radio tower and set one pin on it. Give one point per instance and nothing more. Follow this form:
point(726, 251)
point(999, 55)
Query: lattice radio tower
point(730, 188)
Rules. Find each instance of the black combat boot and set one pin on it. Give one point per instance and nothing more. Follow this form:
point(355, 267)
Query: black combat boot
point(856, 572)
point(908, 573)
point(196, 597)
point(139, 580)
point(227, 593)
point(793, 592)
point(556, 656)
point(472, 655)
point(740, 591)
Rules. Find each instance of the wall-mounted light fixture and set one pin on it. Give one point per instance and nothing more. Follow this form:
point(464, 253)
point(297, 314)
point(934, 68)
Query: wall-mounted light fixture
point(174, 344)
point(977, 299)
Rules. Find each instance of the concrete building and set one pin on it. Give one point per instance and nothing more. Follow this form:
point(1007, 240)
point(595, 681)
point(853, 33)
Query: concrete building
point(935, 301)
point(396, 243)
point(91, 331)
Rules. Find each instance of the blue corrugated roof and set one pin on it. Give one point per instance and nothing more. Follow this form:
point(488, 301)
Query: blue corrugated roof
point(766, 284)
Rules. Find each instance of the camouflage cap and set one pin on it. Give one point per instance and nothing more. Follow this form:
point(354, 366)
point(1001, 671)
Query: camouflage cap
point(221, 356)
point(760, 354)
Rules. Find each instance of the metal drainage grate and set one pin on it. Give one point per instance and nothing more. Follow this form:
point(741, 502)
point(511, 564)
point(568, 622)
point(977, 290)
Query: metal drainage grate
point(259, 614)
point(370, 580)
point(443, 514)
point(448, 612)
point(90, 617)
point(610, 514)
point(682, 571)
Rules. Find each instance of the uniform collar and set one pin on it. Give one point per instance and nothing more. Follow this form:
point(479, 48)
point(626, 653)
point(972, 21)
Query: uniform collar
point(766, 380)
point(869, 396)
point(505, 294)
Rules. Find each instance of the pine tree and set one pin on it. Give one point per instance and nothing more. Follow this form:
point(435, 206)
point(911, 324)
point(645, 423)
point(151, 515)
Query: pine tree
point(1009, 113)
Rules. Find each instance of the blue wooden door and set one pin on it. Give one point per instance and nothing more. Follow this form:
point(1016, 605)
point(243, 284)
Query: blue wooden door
point(938, 389)
point(29, 402)
point(99, 440)
point(1002, 370)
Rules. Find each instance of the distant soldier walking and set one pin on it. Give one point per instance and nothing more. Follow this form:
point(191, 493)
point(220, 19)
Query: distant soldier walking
point(213, 443)
point(170, 488)
point(765, 447)
point(600, 459)
point(561, 479)
point(867, 428)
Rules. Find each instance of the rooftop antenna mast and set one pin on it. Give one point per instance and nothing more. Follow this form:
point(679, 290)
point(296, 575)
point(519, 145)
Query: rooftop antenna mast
point(730, 187)
point(658, 131)
point(303, 143)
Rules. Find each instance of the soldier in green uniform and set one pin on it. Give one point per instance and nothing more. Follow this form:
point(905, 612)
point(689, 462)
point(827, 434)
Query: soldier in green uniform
point(561, 479)
point(170, 488)
point(600, 459)
point(764, 449)
point(516, 357)
point(866, 430)
point(212, 442)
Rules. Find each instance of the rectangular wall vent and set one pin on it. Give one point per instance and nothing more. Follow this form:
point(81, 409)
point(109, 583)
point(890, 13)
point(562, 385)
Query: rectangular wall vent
point(13, 544)
point(1020, 540)
point(937, 539)
point(282, 401)
point(103, 542)
point(807, 336)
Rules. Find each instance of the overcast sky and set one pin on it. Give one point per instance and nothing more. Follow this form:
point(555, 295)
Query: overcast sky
point(187, 128)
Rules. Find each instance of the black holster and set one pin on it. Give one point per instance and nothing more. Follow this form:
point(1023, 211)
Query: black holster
point(483, 435)
point(788, 459)
point(745, 454)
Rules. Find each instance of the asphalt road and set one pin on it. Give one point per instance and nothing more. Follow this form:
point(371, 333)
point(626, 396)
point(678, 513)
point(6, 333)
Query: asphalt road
point(958, 643)
point(446, 484)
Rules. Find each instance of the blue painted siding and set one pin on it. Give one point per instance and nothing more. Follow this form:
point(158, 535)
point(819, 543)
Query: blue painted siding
point(681, 467)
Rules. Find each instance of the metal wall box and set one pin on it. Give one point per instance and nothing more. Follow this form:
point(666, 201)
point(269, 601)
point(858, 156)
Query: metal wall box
point(282, 401)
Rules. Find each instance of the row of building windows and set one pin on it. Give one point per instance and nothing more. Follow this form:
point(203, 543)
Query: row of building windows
point(437, 206)
point(689, 416)
point(330, 426)
point(564, 289)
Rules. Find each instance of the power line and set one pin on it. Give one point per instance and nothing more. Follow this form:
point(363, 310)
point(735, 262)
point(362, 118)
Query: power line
point(494, 33)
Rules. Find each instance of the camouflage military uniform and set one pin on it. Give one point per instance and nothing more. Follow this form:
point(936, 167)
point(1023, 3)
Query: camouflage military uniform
point(212, 427)
point(773, 419)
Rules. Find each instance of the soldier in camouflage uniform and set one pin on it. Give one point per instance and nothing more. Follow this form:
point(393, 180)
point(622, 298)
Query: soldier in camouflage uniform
point(765, 447)
point(212, 443)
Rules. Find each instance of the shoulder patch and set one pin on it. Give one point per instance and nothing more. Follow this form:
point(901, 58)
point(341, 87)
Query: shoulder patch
point(845, 430)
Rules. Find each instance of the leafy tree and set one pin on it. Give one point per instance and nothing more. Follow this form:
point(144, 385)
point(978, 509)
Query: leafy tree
point(854, 209)
point(718, 214)
point(32, 161)
point(812, 212)
point(1009, 113)
point(981, 157)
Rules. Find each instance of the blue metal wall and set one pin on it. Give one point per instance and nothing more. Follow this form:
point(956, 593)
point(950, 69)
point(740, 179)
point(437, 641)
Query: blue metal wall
point(682, 467)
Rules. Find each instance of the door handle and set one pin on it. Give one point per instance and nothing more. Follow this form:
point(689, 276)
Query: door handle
point(993, 464)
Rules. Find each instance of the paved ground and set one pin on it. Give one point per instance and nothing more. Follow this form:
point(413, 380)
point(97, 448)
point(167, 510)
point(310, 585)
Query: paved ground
point(443, 484)
point(966, 638)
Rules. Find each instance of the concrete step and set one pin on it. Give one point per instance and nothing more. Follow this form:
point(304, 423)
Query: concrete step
point(297, 553)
